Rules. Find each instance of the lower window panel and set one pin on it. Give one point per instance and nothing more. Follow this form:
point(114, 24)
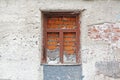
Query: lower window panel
point(53, 47)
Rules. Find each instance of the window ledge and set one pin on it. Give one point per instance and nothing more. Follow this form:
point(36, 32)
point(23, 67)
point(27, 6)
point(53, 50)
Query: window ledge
point(64, 64)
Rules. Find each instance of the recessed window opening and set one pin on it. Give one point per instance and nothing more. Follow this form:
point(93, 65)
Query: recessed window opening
point(61, 39)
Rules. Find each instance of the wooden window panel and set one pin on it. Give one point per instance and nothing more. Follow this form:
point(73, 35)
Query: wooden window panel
point(63, 24)
point(70, 47)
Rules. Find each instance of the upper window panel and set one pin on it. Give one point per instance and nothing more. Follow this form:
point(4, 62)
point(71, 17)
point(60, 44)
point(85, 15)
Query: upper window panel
point(62, 22)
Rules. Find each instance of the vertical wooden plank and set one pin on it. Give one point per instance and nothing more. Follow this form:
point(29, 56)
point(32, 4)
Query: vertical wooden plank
point(61, 46)
point(43, 55)
point(78, 47)
point(45, 39)
point(78, 39)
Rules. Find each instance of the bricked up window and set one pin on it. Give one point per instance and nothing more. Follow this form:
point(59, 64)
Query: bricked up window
point(61, 41)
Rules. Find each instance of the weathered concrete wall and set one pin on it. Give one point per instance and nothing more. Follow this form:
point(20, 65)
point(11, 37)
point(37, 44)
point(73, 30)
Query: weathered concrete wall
point(21, 38)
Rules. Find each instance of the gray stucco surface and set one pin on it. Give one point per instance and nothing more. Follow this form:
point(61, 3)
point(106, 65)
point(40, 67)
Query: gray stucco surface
point(62, 72)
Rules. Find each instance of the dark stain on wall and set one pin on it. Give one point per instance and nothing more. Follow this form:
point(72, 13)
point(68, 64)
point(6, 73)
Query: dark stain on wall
point(108, 68)
point(62, 72)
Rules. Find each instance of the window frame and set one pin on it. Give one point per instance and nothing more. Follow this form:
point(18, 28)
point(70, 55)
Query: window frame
point(61, 31)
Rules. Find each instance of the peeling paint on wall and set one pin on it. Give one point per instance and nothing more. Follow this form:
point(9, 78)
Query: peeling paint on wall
point(108, 32)
point(53, 56)
point(108, 68)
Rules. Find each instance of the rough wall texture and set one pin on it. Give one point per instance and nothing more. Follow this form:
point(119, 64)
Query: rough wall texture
point(21, 37)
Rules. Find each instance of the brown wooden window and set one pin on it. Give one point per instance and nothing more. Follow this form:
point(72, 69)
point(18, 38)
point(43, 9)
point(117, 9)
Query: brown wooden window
point(61, 39)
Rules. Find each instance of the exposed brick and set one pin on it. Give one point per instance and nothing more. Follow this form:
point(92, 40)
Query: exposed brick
point(98, 32)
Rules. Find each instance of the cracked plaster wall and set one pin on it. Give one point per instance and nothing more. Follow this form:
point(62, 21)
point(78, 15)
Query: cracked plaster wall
point(21, 36)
